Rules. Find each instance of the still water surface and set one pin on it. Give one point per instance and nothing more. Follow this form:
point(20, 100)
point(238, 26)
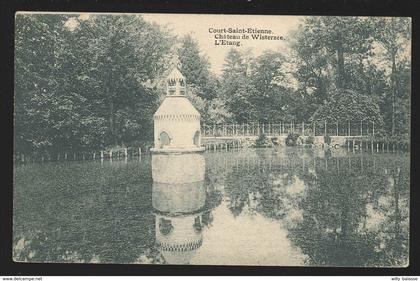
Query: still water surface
point(291, 206)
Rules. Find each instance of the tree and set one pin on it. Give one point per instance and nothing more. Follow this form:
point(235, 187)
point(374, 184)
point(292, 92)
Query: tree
point(128, 52)
point(202, 85)
point(217, 112)
point(86, 83)
point(333, 53)
point(393, 34)
point(236, 88)
point(38, 50)
point(271, 100)
point(345, 105)
point(320, 39)
point(313, 67)
point(194, 66)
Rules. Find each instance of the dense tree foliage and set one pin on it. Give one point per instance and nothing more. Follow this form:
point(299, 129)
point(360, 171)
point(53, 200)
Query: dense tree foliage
point(202, 85)
point(345, 105)
point(236, 88)
point(88, 82)
point(395, 41)
point(357, 54)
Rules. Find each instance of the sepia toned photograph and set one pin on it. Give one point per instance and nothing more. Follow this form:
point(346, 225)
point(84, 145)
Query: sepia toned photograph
point(201, 139)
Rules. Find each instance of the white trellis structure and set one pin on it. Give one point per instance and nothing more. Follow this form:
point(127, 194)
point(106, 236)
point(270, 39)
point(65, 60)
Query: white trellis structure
point(360, 128)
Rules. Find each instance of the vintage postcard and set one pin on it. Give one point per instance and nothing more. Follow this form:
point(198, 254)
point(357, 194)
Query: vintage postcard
point(212, 139)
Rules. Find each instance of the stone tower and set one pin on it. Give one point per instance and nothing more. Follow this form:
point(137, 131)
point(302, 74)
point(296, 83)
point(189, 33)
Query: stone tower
point(176, 122)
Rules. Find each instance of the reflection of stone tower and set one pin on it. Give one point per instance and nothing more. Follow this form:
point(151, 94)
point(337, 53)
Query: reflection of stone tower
point(179, 196)
point(176, 122)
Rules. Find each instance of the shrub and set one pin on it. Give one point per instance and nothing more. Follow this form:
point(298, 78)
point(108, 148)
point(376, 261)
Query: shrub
point(300, 141)
point(291, 139)
point(275, 140)
point(344, 105)
point(397, 140)
point(310, 140)
point(261, 141)
point(327, 139)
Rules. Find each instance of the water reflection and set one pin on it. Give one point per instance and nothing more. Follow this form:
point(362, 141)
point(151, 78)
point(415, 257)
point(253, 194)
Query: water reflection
point(179, 196)
point(83, 212)
point(340, 211)
point(260, 206)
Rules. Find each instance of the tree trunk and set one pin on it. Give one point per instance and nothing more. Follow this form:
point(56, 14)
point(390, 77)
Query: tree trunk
point(111, 120)
point(394, 89)
point(341, 79)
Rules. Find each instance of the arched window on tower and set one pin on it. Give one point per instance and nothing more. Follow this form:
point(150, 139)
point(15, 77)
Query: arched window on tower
point(196, 138)
point(164, 139)
point(165, 226)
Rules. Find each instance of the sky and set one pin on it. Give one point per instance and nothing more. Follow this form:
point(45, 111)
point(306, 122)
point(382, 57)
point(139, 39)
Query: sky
point(198, 26)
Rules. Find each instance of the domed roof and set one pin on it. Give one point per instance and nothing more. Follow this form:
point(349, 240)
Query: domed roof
point(176, 105)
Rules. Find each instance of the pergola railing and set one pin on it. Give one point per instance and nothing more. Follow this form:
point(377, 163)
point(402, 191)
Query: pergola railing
point(360, 128)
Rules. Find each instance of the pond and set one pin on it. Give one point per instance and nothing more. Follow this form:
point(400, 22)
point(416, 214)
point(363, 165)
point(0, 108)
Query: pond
point(287, 207)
